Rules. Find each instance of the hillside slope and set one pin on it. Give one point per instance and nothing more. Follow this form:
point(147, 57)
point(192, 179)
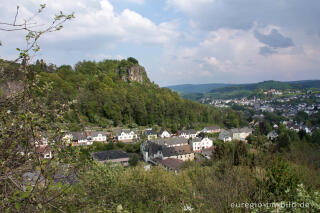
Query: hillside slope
point(117, 93)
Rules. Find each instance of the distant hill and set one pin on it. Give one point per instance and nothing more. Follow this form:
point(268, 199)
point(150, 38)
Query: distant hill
point(270, 85)
point(196, 88)
point(198, 91)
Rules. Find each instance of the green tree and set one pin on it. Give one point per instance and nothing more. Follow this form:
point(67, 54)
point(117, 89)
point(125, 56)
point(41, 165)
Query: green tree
point(25, 120)
point(134, 159)
point(279, 179)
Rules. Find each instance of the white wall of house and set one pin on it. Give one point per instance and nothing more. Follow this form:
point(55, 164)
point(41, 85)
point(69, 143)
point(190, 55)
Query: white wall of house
point(165, 134)
point(187, 136)
point(100, 138)
point(203, 144)
point(124, 136)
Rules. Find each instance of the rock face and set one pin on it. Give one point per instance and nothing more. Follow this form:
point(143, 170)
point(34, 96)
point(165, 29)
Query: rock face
point(10, 88)
point(135, 73)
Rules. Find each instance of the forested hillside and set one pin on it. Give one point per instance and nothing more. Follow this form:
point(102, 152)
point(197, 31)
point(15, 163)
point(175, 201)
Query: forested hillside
point(113, 93)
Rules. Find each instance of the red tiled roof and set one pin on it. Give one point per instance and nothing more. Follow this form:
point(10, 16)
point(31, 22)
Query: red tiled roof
point(171, 163)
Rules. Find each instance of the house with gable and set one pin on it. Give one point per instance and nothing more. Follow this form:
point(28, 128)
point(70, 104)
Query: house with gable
point(225, 135)
point(164, 134)
point(241, 134)
point(98, 136)
point(77, 138)
point(151, 134)
point(126, 136)
point(114, 156)
point(167, 148)
point(199, 144)
point(211, 129)
point(190, 133)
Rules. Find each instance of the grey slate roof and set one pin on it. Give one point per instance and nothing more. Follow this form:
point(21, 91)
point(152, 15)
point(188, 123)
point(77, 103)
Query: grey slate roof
point(96, 133)
point(152, 148)
point(241, 130)
point(150, 132)
point(171, 141)
point(127, 131)
point(175, 151)
point(194, 140)
point(109, 155)
point(224, 134)
point(78, 136)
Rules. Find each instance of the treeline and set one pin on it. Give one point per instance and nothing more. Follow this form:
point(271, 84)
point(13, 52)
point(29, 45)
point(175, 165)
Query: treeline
point(103, 94)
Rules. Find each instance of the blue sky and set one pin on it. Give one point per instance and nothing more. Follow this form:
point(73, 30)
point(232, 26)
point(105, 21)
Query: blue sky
point(182, 41)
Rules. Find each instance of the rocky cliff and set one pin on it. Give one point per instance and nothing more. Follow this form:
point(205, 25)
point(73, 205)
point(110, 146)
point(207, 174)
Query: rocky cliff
point(135, 73)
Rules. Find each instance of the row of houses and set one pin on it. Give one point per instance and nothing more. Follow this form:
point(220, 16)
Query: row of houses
point(189, 133)
point(127, 135)
point(85, 137)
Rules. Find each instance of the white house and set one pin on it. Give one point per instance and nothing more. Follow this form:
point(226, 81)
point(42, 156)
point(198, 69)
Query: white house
point(98, 136)
point(164, 134)
point(225, 136)
point(198, 144)
point(151, 134)
point(77, 138)
point(190, 133)
point(211, 129)
point(241, 134)
point(126, 135)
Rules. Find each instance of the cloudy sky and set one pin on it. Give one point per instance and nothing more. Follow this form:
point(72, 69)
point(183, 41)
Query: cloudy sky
point(182, 41)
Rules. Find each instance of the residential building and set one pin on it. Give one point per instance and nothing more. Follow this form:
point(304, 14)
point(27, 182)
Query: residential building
point(98, 136)
point(114, 156)
point(225, 136)
point(151, 134)
point(211, 129)
point(190, 133)
point(126, 135)
point(77, 138)
point(172, 164)
point(151, 150)
point(208, 152)
point(164, 134)
point(241, 134)
point(199, 144)
point(171, 142)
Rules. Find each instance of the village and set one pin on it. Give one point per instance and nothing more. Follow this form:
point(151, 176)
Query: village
point(156, 148)
point(286, 108)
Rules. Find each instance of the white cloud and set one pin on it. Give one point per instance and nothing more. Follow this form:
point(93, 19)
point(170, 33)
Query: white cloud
point(99, 18)
point(137, 1)
point(229, 55)
point(188, 6)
